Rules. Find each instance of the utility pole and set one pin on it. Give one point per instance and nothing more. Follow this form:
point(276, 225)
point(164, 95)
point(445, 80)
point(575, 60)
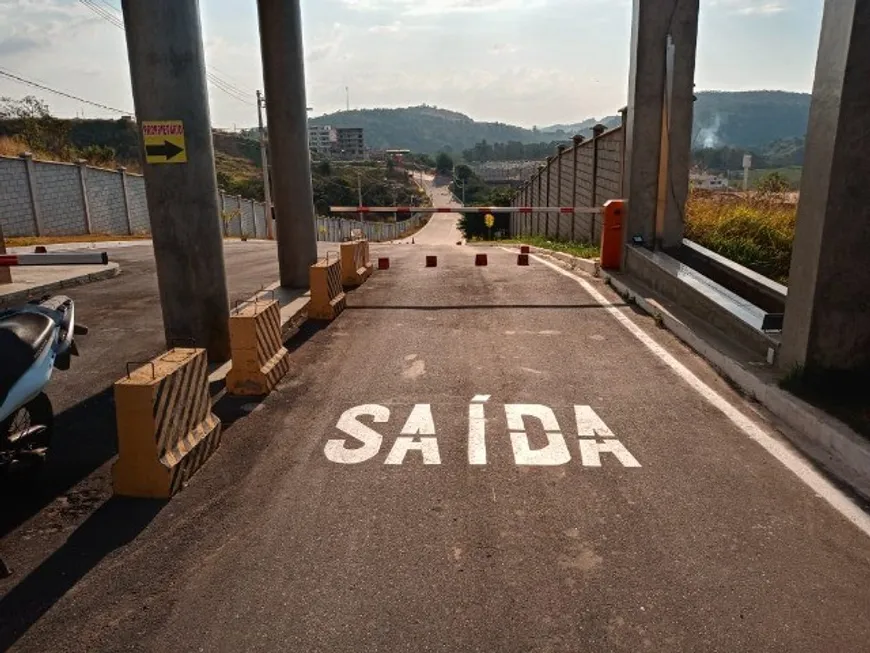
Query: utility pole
point(167, 70)
point(267, 192)
point(347, 96)
point(287, 117)
point(359, 195)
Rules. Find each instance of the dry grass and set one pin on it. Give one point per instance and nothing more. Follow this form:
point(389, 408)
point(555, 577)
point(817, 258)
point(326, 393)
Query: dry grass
point(755, 231)
point(14, 146)
point(32, 241)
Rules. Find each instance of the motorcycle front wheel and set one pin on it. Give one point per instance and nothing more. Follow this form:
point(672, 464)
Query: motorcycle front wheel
point(17, 447)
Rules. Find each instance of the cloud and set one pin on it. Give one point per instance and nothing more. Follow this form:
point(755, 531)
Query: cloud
point(433, 7)
point(392, 28)
point(753, 7)
point(19, 44)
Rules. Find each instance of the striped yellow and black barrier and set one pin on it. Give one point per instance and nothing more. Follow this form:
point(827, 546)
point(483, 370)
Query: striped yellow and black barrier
point(327, 295)
point(166, 430)
point(259, 357)
point(356, 266)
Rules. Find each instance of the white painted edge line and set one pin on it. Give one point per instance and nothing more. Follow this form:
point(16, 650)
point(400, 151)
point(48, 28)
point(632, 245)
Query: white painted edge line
point(791, 460)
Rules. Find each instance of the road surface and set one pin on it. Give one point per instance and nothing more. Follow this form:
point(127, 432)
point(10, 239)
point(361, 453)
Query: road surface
point(441, 228)
point(468, 459)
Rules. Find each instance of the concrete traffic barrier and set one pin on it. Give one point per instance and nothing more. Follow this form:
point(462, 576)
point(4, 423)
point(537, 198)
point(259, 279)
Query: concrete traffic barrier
point(258, 354)
point(524, 249)
point(480, 259)
point(356, 266)
point(383, 263)
point(522, 259)
point(431, 261)
point(166, 430)
point(327, 295)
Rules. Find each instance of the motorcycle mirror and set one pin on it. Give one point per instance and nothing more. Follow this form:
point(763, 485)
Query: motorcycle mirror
point(80, 330)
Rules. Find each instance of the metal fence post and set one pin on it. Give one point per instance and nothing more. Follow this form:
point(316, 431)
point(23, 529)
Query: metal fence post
point(547, 201)
point(561, 149)
point(83, 186)
point(27, 158)
point(538, 199)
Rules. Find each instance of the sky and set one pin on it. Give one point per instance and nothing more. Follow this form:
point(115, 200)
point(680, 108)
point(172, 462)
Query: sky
point(524, 62)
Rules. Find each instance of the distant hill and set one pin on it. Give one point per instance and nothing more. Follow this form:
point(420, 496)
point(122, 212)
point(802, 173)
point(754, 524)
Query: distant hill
point(430, 129)
point(742, 119)
point(749, 119)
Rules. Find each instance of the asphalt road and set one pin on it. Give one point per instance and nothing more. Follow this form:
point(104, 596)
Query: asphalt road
point(441, 228)
point(692, 538)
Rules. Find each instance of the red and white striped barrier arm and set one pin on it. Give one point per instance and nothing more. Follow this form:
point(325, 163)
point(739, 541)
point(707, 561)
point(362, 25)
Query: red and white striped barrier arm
point(55, 258)
point(466, 209)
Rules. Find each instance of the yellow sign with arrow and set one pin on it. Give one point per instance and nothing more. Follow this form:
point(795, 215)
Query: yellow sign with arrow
point(489, 220)
point(164, 141)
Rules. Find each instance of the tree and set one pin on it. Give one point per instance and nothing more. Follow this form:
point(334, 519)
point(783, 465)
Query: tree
point(443, 163)
point(773, 182)
point(463, 173)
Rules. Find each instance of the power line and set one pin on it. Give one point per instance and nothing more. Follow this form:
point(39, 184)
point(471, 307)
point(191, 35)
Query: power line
point(17, 78)
point(109, 13)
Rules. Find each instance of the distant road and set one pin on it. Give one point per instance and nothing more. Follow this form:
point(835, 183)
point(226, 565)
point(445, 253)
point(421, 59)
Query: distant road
point(441, 229)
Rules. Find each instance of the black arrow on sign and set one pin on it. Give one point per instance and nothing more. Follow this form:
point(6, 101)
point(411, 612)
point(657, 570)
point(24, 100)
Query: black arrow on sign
point(168, 150)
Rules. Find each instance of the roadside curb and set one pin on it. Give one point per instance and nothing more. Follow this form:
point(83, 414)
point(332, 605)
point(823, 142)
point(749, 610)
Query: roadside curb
point(19, 296)
point(827, 441)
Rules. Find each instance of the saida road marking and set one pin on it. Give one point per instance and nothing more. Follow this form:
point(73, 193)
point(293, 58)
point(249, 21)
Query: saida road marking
point(362, 442)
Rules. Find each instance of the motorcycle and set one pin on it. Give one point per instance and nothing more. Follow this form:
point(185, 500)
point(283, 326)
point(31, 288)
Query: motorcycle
point(35, 338)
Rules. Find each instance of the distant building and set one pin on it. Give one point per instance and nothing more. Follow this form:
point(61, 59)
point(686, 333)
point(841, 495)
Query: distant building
point(349, 143)
point(322, 139)
point(708, 182)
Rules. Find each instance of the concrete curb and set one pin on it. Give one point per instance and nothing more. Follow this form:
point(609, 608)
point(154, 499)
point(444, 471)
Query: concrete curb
point(825, 440)
point(20, 296)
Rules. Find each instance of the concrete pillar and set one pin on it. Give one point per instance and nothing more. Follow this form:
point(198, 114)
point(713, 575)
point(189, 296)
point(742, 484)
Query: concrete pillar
point(577, 140)
point(27, 160)
point(656, 143)
point(5, 271)
point(286, 111)
point(125, 193)
point(83, 187)
point(167, 68)
point(827, 315)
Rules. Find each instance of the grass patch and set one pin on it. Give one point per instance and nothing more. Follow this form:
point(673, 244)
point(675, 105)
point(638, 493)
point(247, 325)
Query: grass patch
point(32, 241)
point(578, 249)
point(841, 394)
point(755, 231)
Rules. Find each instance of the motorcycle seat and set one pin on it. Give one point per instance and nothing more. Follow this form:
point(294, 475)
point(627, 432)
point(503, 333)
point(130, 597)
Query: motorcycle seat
point(23, 337)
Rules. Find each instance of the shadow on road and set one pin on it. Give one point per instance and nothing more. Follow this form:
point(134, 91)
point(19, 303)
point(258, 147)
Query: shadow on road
point(476, 307)
point(84, 439)
point(116, 523)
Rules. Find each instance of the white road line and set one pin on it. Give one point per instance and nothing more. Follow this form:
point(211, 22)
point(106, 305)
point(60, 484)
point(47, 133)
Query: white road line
point(792, 461)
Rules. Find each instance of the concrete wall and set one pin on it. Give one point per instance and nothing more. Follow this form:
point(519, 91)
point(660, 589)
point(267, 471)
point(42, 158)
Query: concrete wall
point(583, 186)
point(47, 198)
point(69, 199)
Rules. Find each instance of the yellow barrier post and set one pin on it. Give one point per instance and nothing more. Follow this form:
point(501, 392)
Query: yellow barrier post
point(166, 429)
point(355, 264)
point(327, 294)
point(259, 357)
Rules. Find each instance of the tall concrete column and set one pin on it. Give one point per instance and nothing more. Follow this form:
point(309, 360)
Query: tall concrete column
point(827, 315)
point(284, 79)
point(655, 143)
point(167, 67)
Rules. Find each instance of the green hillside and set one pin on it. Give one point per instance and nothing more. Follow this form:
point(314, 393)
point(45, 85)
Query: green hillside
point(429, 129)
point(749, 119)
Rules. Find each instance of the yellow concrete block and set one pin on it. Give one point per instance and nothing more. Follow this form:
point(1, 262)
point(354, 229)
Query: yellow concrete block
point(166, 429)
point(327, 294)
point(355, 264)
point(259, 357)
